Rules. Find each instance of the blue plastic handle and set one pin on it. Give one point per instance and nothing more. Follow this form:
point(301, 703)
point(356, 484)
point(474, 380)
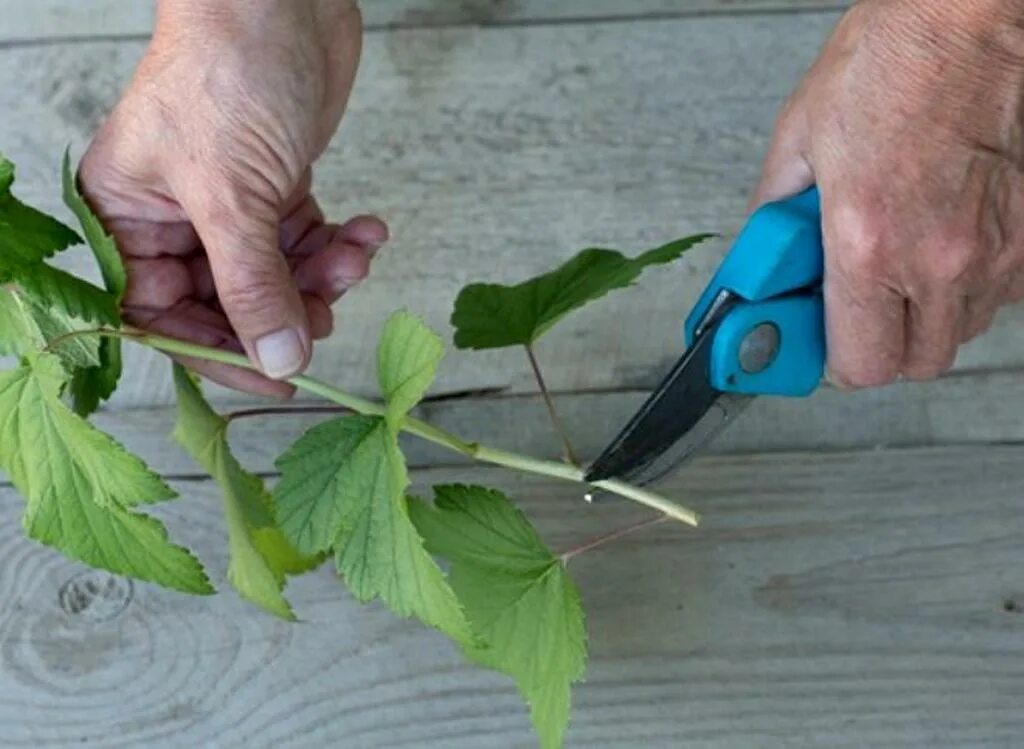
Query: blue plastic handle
point(775, 267)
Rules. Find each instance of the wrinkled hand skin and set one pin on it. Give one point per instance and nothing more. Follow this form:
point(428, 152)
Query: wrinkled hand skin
point(202, 173)
point(910, 122)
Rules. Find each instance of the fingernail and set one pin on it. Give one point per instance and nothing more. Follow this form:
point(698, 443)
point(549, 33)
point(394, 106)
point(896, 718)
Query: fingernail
point(281, 354)
point(344, 283)
point(835, 382)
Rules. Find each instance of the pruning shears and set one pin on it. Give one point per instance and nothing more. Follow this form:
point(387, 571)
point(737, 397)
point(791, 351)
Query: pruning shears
point(758, 329)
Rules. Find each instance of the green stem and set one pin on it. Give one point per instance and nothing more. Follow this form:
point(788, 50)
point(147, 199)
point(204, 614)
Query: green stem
point(410, 424)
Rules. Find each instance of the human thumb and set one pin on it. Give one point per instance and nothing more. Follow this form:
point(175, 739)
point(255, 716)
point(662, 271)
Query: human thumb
point(240, 231)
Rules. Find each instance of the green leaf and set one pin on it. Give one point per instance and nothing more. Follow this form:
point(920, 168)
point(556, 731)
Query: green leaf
point(27, 236)
point(319, 473)
point(493, 315)
point(26, 326)
point(517, 594)
point(114, 477)
point(343, 487)
point(79, 484)
point(407, 360)
point(64, 302)
point(95, 384)
point(260, 556)
point(18, 333)
point(51, 323)
point(61, 303)
point(75, 297)
point(91, 385)
point(282, 557)
point(115, 278)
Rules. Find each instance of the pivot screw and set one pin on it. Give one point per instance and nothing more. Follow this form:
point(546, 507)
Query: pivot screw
point(760, 348)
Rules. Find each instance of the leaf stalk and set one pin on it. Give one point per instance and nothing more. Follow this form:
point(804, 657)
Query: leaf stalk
point(596, 543)
point(556, 421)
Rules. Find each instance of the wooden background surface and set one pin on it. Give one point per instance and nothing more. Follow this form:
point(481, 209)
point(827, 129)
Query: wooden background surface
point(857, 581)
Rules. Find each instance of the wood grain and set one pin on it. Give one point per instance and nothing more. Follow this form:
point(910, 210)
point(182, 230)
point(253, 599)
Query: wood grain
point(847, 600)
point(47, 20)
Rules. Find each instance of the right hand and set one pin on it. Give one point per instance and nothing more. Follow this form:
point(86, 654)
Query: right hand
point(202, 174)
point(910, 124)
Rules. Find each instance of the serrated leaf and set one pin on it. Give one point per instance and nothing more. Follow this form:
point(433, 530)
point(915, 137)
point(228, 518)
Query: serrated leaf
point(319, 473)
point(115, 278)
point(343, 487)
point(62, 300)
point(25, 327)
point(27, 236)
point(79, 484)
point(91, 386)
point(50, 324)
point(407, 359)
point(114, 477)
point(18, 334)
point(518, 596)
point(126, 543)
point(55, 289)
point(494, 315)
point(60, 303)
point(282, 557)
point(260, 556)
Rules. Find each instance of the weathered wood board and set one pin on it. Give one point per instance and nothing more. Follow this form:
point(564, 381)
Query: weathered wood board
point(846, 600)
point(29, 21)
point(495, 153)
point(867, 598)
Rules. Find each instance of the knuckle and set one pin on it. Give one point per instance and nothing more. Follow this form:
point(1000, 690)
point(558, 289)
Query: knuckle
point(978, 327)
point(856, 377)
point(933, 363)
point(347, 12)
point(231, 196)
point(927, 370)
point(859, 245)
point(247, 290)
point(951, 260)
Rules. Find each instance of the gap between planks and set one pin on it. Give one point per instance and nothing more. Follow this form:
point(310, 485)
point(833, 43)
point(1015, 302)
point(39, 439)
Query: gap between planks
point(961, 409)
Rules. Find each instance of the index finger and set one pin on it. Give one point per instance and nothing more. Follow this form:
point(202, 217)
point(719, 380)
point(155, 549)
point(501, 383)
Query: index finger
point(865, 314)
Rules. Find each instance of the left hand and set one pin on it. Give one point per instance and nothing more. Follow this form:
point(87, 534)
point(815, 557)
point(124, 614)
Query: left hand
point(911, 124)
point(202, 173)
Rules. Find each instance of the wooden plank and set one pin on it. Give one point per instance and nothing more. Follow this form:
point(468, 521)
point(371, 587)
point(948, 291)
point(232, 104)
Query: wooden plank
point(867, 599)
point(48, 20)
point(495, 158)
point(974, 409)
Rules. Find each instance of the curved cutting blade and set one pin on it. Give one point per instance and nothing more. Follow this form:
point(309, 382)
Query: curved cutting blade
point(682, 415)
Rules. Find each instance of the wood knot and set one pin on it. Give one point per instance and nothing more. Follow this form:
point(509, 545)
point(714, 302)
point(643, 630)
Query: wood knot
point(95, 596)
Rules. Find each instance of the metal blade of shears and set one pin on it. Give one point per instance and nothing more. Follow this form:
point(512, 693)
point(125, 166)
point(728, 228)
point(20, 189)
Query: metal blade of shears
point(682, 415)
